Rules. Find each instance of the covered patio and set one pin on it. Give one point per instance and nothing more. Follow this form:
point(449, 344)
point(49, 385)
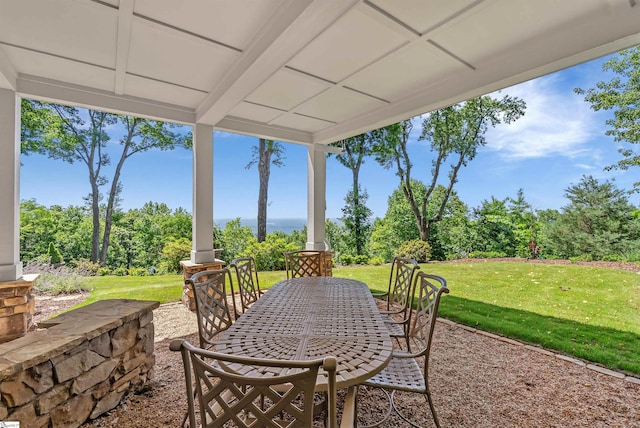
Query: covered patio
point(309, 72)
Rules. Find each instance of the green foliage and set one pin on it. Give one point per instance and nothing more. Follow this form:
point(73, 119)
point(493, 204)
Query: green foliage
point(269, 255)
point(356, 219)
point(416, 249)
point(85, 267)
point(598, 222)
point(487, 255)
point(383, 242)
point(376, 261)
point(119, 271)
point(621, 94)
point(347, 259)
point(56, 280)
point(235, 239)
point(104, 271)
point(174, 251)
point(54, 254)
point(139, 271)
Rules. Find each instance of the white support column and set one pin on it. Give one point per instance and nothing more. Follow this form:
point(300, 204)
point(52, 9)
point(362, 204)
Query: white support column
point(202, 229)
point(10, 265)
point(316, 197)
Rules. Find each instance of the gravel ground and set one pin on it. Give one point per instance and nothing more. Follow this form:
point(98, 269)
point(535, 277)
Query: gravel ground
point(476, 381)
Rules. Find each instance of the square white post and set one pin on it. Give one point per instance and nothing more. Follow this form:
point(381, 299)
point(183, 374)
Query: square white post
point(316, 197)
point(10, 265)
point(202, 228)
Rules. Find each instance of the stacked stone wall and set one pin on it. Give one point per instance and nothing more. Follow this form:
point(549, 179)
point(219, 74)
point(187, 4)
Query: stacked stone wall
point(80, 367)
point(17, 306)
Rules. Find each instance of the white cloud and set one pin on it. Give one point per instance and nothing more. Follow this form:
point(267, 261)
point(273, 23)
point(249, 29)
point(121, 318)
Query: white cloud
point(557, 122)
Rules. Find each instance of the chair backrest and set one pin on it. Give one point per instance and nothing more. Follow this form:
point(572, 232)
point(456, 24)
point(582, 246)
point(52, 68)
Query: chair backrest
point(247, 276)
point(401, 283)
point(430, 289)
point(303, 263)
point(212, 308)
point(241, 391)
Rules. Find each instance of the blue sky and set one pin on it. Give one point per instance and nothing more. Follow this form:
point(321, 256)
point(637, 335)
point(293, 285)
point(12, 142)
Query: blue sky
point(559, 140)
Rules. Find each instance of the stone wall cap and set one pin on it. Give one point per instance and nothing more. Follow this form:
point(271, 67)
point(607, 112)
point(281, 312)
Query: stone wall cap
point(69, 330)
point(189, 263)
point(23, 281)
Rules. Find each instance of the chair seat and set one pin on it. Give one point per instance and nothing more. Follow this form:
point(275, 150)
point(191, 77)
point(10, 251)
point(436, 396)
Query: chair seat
point(395, 330)
point(403, 374)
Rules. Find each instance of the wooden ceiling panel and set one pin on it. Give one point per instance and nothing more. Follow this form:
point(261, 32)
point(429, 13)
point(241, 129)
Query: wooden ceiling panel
point(338, 104)
point(177, 58)
point(286, 89)
point(406, 71)
point(352, 43)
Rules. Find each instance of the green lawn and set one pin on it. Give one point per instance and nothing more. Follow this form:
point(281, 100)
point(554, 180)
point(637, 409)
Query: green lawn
point(589, 312)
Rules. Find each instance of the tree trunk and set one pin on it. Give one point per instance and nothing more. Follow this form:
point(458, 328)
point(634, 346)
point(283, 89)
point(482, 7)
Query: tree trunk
point(264, 171)
point(113, 193)
point(95, 211)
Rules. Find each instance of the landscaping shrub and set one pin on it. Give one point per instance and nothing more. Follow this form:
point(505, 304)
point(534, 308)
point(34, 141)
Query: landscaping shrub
point(85, 267)
point(269, 255)
point(487, 255)
point(137, 271)
point(416, 249)
point(376, 261)
point(56, 279)
point(173, 253)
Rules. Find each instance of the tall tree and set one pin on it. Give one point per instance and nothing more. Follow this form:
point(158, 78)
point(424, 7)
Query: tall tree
point(622, 95)
point(77, 135)
point(266, 153)
point(599, 221)
point(356, 215)
point(454, 132)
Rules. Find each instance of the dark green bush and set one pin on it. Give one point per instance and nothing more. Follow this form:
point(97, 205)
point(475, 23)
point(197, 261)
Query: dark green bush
point(487, 255)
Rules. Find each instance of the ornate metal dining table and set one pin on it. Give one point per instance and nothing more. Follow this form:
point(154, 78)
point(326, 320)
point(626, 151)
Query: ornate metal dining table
point(313, 317)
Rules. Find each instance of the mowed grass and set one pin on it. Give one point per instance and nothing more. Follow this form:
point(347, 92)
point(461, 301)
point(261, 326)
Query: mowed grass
point(591, 313)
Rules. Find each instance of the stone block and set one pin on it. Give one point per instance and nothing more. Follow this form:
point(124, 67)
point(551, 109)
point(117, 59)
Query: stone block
point(14, 392)
point(14, 325)
point(123, 338)
point(146, 319)
point(48, 401)
point(107, 403)
point(94, 376)
point(21, 309)
point(6, 311)
point(73, 412)
point(40, 377)
point(101, 345)
point(126, 378)
point(15, 301)
point(75, 365)
point(131, 364)
point(4, 412)
point(7, 293)
point(101, 390)
point(27, 417)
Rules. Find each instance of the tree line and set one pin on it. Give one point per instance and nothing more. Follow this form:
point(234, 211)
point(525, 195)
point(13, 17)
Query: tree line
point(598, 223)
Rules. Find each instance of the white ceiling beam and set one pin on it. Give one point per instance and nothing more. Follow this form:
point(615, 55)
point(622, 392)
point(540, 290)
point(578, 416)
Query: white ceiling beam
point(292, 27)
point(125, 23)
point(7, 73)
point(257, 129)
point(66, 93)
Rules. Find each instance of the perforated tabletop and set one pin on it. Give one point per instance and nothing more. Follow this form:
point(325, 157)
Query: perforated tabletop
point(308, 318)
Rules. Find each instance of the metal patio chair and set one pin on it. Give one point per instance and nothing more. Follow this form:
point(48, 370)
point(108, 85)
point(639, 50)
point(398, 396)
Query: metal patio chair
point(303, 263)
point(212, 308)
point(237, 391)
point(399, 297)
point(404, 371)
point(248, 284)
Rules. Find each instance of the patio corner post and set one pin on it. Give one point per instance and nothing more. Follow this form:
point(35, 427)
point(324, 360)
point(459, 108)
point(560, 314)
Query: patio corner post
point(316, 197)
point(202, 226)
point(10, 265)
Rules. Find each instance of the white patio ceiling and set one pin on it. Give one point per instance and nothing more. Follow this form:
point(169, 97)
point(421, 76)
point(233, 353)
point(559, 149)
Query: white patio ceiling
point(308, 71)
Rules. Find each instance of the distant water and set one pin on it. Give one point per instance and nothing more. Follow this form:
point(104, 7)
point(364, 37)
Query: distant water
point(286, 225)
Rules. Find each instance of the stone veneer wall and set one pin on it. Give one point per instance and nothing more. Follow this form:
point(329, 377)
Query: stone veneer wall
point(188, 269)
point(16, 307)
point(80, 366)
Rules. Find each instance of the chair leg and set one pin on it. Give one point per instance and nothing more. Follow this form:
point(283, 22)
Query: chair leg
point(433, 409)
point(384, 419)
